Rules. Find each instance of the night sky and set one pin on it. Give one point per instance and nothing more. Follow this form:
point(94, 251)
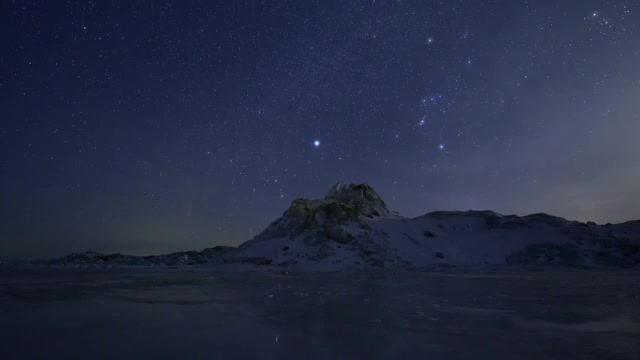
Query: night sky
point(155, 126)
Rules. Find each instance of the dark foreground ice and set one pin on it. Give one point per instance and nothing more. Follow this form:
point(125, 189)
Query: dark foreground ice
point(183, 314)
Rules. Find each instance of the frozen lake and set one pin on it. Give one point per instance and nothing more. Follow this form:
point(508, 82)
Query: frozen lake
point(199, 314)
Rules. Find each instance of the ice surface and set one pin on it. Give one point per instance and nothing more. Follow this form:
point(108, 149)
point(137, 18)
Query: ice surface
point(200, 314)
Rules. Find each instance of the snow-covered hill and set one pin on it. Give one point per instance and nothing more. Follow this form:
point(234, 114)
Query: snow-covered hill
point(351, 227)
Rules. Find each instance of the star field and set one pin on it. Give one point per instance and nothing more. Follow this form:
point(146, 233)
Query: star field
point(155, 126)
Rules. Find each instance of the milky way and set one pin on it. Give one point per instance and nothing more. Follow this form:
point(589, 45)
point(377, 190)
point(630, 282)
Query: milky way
point(148, 127)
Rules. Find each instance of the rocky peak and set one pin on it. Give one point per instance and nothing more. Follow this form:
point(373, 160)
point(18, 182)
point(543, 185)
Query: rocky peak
point(344, 211)
point(358, 194)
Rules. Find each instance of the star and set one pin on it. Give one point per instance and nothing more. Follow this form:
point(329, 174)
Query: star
point(316, 143)
point(441, 146)
point(430, 40)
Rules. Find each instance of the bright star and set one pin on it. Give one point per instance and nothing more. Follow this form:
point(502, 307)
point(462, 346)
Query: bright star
point(441, 146)
point(316, 143)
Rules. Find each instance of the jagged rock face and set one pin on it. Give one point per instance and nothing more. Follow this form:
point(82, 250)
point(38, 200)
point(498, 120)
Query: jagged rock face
point(318, 218)
point(361, 195)
point(341, 216)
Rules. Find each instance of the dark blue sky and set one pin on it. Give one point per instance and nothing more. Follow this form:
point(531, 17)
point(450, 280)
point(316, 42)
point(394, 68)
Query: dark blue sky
point(155, 126)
